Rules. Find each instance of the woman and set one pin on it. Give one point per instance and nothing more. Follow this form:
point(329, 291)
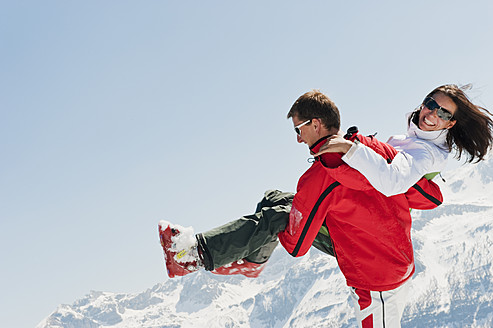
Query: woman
point(445, 120)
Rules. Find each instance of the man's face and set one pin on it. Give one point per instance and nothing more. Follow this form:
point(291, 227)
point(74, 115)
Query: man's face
point(308, 134)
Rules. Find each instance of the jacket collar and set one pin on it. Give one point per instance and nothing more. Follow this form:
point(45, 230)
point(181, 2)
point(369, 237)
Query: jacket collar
point(318, 144)
point(329, 160)
point(438, 138)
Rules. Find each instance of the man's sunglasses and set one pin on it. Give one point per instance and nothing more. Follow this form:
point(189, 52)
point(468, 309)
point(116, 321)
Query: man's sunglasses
point(297, 128)
point(443, 113)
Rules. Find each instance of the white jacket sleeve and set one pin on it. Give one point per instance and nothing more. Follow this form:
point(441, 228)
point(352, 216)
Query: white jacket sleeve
point(394, 178)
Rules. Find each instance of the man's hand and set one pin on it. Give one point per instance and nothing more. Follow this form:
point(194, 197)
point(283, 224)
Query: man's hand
point(335, 144)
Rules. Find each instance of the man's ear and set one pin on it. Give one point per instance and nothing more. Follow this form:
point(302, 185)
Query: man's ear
point(316, 124)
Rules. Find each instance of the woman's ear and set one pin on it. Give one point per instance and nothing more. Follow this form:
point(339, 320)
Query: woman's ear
point(451, 124)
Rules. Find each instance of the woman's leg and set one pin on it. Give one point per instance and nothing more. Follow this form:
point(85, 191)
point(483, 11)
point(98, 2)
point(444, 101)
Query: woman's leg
point(252, 237)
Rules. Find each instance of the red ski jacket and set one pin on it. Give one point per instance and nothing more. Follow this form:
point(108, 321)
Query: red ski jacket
point(371, 233)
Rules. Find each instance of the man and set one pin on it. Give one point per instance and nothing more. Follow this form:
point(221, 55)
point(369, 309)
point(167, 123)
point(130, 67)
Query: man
point(370, 233)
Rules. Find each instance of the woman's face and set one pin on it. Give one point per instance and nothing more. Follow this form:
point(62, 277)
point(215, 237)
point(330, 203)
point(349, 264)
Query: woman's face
point(429, 120)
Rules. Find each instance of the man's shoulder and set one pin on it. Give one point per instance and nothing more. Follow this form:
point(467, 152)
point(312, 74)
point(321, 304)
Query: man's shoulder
point(331, 160)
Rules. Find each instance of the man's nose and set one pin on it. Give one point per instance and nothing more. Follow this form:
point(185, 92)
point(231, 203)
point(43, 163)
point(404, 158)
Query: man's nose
point(298, 138)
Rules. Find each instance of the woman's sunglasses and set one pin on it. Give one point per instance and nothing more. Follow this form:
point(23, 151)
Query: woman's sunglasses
point(442, 113)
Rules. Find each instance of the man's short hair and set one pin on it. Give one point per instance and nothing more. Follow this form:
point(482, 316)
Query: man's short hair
point(315, 104)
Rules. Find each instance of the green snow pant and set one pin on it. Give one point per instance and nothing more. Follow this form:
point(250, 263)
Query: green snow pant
point(253, 237)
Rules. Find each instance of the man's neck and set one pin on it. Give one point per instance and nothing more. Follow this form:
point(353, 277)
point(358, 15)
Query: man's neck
point(328, 133)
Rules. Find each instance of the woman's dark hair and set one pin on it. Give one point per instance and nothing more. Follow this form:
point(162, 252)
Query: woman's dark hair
point(473, 129)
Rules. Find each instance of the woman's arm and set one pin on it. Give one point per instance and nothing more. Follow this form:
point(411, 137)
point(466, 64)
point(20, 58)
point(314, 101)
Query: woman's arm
point(389, 178)
point(393, 178)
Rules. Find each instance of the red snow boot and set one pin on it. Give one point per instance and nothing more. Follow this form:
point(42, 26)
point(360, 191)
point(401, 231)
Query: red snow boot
point(244, 267)
point(180, 249)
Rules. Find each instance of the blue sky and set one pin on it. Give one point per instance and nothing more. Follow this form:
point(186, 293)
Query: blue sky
point(116, 114)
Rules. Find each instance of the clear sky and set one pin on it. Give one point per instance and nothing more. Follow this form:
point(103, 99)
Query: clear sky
point(116, 114)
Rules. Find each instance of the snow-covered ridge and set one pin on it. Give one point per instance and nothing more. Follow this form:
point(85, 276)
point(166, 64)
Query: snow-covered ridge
point(469, 184)
point(452, 286)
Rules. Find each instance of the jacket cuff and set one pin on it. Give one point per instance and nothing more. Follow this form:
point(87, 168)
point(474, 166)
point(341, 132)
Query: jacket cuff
point(351, 151)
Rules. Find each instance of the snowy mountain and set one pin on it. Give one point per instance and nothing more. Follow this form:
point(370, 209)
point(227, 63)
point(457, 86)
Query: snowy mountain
point(452, 286)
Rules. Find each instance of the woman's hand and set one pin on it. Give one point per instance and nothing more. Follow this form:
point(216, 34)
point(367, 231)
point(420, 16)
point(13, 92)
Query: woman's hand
point(335, 144)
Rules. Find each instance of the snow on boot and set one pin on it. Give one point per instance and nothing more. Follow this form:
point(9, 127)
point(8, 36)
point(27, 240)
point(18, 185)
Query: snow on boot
point(244, 267)
point(180, 249)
